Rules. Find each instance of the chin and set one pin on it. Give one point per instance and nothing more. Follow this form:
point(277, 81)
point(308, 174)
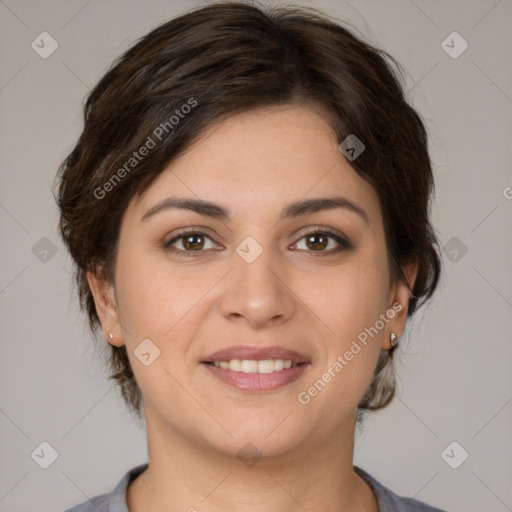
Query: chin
point(265, 439)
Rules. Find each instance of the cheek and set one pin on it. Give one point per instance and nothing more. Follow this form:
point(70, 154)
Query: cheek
point(350, 355)
point(166, 305)
point(154, 297)
point(162, 305)
point(347, 303)
point(350, 298)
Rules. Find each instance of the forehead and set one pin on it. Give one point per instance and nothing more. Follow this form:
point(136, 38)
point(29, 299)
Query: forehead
point(262, 159)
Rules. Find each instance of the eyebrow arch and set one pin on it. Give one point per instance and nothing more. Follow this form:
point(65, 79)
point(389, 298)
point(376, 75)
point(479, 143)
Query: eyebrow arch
point(296, 209)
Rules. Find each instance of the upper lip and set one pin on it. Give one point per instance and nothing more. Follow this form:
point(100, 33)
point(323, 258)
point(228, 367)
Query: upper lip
point(246, 352)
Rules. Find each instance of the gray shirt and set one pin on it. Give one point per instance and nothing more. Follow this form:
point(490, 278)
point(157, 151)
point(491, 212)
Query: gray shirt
point(116, 500)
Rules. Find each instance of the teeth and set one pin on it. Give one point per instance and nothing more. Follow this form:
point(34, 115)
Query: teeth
point(266, 366)
point(235, 365)
point(278, 365)
point(253, 366)
point(249, 366)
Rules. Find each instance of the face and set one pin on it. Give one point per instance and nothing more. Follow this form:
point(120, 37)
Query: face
point(252, 283)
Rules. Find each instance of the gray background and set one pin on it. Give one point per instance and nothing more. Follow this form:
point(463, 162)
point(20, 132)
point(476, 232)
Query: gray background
point(456, 362)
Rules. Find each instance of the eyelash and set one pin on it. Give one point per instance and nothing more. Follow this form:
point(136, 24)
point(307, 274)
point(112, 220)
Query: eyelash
point(343, 243)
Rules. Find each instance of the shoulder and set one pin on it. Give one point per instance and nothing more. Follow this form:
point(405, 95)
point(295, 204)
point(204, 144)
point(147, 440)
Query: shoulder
point(114, 501)
point(389, 501)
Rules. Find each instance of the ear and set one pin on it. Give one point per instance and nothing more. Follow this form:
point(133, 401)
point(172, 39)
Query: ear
point(104, 299)
point(399, 297)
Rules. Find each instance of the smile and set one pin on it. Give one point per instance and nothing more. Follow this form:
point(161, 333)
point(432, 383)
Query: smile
point(255, 366)
point(248, 377)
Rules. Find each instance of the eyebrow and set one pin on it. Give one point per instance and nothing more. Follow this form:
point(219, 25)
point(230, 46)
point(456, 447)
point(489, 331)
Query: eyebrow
point(293, 210)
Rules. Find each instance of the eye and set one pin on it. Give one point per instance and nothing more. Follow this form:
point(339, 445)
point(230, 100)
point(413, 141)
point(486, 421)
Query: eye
point(319, 240)
point(194, 242)
point(191, 241)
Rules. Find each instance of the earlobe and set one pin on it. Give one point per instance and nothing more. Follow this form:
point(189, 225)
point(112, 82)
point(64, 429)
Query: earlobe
point(106, 307)
point(399, 304)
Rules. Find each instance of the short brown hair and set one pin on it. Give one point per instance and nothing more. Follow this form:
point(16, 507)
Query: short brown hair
point(229, 58)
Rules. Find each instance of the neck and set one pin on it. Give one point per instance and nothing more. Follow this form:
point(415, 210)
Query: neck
point(184, 474)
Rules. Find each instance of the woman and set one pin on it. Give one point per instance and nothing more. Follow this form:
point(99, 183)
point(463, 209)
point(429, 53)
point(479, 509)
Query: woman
point(247, 208)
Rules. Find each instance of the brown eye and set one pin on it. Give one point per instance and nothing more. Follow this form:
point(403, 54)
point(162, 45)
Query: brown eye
point(193, 242)
point(189, 242)
point(318, 241)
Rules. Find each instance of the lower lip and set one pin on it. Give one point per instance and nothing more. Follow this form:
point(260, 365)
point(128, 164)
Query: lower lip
point(257, 382)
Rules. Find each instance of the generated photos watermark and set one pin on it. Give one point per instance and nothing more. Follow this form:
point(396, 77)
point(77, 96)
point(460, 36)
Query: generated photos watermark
point(156, 136)
point(305, 397)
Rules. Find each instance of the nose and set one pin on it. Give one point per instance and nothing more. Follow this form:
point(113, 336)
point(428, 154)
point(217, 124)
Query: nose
point(256, 293)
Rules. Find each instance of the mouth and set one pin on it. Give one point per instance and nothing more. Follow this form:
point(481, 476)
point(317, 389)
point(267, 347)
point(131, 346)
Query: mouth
point(256, 370)
point(255, 365)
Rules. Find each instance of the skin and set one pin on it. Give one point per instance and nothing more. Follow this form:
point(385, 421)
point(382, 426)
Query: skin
point(293, 295)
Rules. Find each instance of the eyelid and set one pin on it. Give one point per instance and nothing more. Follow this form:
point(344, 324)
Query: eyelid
point(321, 229)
